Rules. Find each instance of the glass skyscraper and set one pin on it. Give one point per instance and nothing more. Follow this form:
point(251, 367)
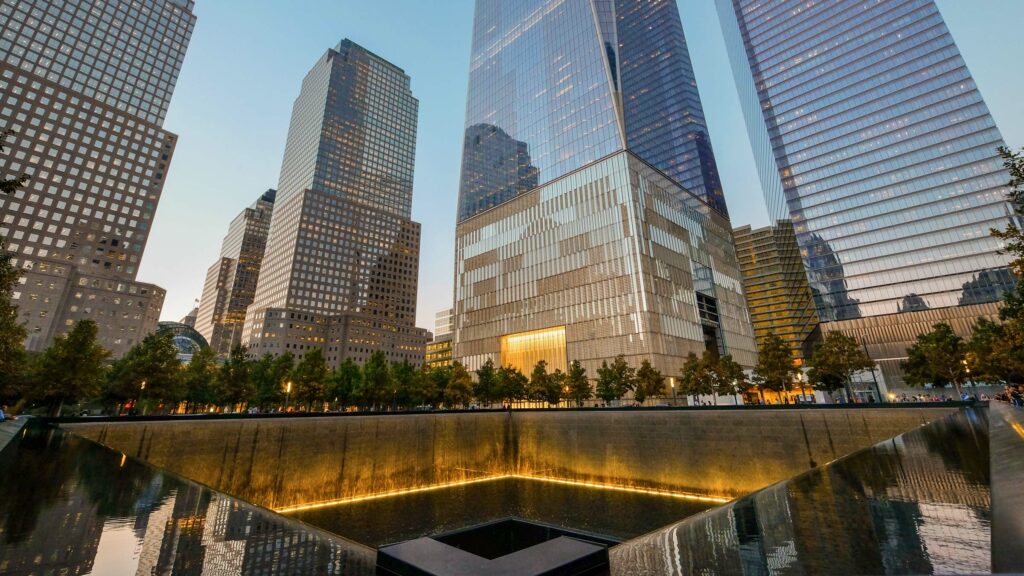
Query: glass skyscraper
point(872, 137)
point(85, 86)
point(342, 259)
point(591, 221)
point(555, 85)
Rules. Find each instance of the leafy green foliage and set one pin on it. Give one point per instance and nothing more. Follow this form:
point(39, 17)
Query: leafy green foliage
point(12, 333)
point(377, 384)
point(544, 387)
point(234, 382)
point(343, 383)
point(154, 361)
point(836, 360)
point(613, 381)
point(649, 382)
point(71, 369)
point(199, 379)
point(937, 358)
point(695, 378)
point(995, 352)
point(310, 379)
point(775, 369)
point(511, 384)
point(486, 386)
point(579, 385)
point(459, 391)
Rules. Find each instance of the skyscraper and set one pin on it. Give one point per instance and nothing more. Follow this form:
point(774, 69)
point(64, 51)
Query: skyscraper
point(870, 134)
point(231, 281)
point(340, 269)
point(639, 92)
point(775, 286)
point(591, 219)
point(85, 85)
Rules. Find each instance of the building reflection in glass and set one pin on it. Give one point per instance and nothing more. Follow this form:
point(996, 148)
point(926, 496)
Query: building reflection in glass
point(73, 507)
point(919, 503)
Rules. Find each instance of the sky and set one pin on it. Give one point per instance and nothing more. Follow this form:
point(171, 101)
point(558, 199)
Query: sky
point(245, 65)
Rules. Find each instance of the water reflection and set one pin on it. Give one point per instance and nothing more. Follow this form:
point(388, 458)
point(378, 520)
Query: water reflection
point(917, 504)
point(612, 514)
point(69, 506)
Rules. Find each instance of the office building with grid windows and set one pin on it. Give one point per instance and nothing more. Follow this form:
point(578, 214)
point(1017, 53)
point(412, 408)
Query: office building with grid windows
point(871, 136)
point(775, 285)
point(342, 259)
point(591, 221)
point(85, 85)
point(231, 281)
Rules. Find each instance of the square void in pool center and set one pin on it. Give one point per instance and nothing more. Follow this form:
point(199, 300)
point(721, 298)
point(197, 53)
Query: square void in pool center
point(610, 515)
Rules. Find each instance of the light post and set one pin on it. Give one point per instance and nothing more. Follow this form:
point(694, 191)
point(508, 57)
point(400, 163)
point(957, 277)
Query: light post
point(967, 369)
point(142, 392)
point(288, 394)
point(672, 381)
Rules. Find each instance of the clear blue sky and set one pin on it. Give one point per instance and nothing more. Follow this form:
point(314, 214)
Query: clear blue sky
point(247, 59)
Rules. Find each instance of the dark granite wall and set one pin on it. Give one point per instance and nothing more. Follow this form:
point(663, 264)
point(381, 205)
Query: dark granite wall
point(282, 462)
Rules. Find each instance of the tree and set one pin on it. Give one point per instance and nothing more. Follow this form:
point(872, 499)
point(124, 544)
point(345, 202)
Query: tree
point(234, 384)
point(540, 380)
point(511, 384)
point(13, 360)
point(269, 377)
point(435, 382)
point(694, 378)
point(459, 391)
point(579, 385)
point(775, 369)
point(10, 185)
point(995, 352)
point(649, 382)
point(727, 377)
point(343, 382)
point(71, 369)
point(834, 362)
point(485, 389)
point(377, 383)
point(408, 384)
point(198, 379)
point(938, 358)
point(153, 361)
point(310, 380)
point(557, 388)
point(615, 380)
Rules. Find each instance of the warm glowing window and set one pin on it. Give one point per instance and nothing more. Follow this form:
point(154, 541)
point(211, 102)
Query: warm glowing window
point(525, 349)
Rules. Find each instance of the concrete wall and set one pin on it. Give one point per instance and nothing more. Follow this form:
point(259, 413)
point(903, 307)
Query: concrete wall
point(281, 462)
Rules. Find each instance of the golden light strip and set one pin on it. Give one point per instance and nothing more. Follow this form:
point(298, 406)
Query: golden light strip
point(620, 488)
point(340, 501)
point(595, 485)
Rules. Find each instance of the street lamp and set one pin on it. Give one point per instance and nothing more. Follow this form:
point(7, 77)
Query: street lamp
point(142, 392)
point(288, 394)
point(672, 381)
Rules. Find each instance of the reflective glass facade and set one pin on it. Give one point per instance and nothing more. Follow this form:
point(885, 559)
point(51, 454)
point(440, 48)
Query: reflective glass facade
point(617, 254)
point(342, 260)
point(881, 146)
point(85, 84)
point(775, 285)
point(555, 85)
point(871, 135)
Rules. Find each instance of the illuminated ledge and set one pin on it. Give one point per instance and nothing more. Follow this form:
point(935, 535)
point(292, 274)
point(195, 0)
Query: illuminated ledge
point(431, 487)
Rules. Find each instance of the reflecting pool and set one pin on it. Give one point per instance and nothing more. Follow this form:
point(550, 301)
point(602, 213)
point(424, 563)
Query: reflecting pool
point(610, 514)
point(69, 506)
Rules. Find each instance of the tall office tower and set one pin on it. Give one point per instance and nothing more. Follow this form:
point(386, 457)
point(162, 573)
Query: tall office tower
point(578, 235)
point(84, 85)
point(342, 259)
point(870, 134)
point(231, 281)
point(778, 296)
